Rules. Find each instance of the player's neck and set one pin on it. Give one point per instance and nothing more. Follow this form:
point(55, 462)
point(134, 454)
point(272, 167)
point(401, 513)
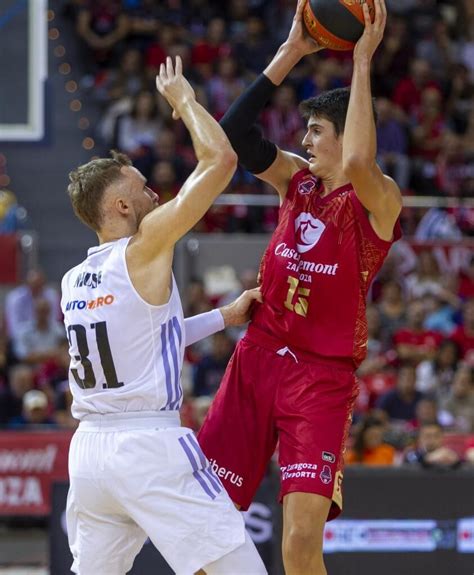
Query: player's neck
point(112, 235)
point(332, 183)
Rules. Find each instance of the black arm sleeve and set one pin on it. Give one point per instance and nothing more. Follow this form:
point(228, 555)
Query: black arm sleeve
point(255, 153)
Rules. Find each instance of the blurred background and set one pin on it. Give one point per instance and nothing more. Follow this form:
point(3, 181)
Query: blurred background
point(77, 79)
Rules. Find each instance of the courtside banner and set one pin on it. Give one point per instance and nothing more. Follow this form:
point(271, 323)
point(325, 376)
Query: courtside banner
point(29, 464)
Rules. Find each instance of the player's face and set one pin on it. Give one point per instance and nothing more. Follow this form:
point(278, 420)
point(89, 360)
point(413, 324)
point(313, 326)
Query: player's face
point(143, 199)
point(323, 147)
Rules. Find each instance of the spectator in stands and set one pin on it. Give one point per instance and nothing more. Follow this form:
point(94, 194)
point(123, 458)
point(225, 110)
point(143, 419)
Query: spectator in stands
point(392, 310)
point(254, 50)
point(426, 412)
point(127, 80)
point(144, 18)
point(430, 451)
point(20, 302)
point(163, 181)
point(392, 144)
point(369, 447)
point(21, 380)
point(400, 403)
point(464, 334)
point(12, 216)
point(466, 280)
point(282, 119)
point(434, 376)
point(62, 407)
point(413, 343)
point(52, 374)
point(457, 407)
point(224, 86)
point(427, 133)
point(211, 367)
point(459, 99)
point(207, 50)
point(34, 412)
point(39, 340)
point(426, 279)
point(392, 59)
point(102, 25)
point(407, 93)
point(438, 49)
point(140, 128)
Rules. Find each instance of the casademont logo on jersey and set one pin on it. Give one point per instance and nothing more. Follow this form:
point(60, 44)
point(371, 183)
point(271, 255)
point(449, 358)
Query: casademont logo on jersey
point(90, 304)
point(308, 230)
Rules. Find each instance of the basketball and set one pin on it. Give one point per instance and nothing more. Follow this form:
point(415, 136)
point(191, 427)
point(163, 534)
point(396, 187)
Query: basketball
point(336, 24)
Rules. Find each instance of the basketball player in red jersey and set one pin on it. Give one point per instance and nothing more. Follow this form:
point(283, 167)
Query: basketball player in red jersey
point(291, 378)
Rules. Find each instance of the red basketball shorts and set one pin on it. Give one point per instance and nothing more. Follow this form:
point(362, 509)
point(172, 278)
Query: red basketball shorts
point(269, 395)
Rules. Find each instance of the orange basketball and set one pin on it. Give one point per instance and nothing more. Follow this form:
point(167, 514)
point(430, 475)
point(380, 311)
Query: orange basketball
point(336, 24)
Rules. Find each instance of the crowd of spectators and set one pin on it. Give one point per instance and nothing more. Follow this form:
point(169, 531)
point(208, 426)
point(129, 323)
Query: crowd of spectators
point(423, 78)
point(416, 400)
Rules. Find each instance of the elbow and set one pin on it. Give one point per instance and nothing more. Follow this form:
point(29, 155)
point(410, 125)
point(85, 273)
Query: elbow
point(226, 158)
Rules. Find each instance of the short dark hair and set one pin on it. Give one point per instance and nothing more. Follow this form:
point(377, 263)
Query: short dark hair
point(88, 184)
point(331, 105)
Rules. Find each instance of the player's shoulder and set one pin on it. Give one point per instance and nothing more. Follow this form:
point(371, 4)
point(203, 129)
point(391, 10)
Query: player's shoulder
point(72, 272)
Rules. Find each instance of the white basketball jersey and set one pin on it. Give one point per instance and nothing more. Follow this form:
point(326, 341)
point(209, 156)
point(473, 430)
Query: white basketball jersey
point(126, 355)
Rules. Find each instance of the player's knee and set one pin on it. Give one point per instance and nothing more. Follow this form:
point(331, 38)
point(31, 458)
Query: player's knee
point(301, 545)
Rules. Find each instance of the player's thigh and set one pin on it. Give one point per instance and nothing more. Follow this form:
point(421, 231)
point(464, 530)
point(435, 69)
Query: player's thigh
point(180, 503)
point(101, 537)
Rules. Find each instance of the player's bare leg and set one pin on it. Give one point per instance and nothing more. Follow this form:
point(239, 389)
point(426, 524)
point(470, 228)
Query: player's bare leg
point(304, 517)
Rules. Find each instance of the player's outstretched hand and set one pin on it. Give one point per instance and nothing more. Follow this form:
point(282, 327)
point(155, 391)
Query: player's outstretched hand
point(373, 32)
point(298, 37)
point(240, 311)
point(171, 84)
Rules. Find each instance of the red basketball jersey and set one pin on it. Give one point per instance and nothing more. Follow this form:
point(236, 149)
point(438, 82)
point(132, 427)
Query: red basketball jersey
point(316, 272)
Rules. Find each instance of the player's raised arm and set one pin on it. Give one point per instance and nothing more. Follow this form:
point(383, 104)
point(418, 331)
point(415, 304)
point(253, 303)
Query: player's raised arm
point(258, 155)
point(217, 161)
point(379, 194)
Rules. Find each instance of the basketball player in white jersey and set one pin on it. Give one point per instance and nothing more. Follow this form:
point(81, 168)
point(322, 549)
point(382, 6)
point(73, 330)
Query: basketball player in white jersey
point(134, 471)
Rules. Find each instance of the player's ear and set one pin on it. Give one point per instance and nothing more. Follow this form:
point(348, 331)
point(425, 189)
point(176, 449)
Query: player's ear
point(122, 206)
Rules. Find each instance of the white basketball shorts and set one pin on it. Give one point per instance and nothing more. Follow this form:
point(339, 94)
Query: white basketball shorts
point(145, 476)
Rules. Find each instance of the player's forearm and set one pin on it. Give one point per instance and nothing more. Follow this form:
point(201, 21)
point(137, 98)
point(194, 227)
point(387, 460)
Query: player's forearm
point(209, 139)
point(203, 325)
point(360, 140)
point(283, 62)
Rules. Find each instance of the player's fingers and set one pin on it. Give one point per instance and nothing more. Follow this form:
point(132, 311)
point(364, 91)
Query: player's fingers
point(159, 85)
point(378, 14)
point(300, 8)
point(169, 67)
point(255, 294)
point(179, 66)
point(366, 13)
point(162, 73)
point(384, 11)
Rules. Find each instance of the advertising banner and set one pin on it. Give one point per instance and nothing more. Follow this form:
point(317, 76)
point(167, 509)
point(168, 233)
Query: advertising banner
point(29, 464)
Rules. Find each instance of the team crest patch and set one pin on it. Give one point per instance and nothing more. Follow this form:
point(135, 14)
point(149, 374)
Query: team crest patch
point(326, 475)
point(306, 187)
point(308, 231)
